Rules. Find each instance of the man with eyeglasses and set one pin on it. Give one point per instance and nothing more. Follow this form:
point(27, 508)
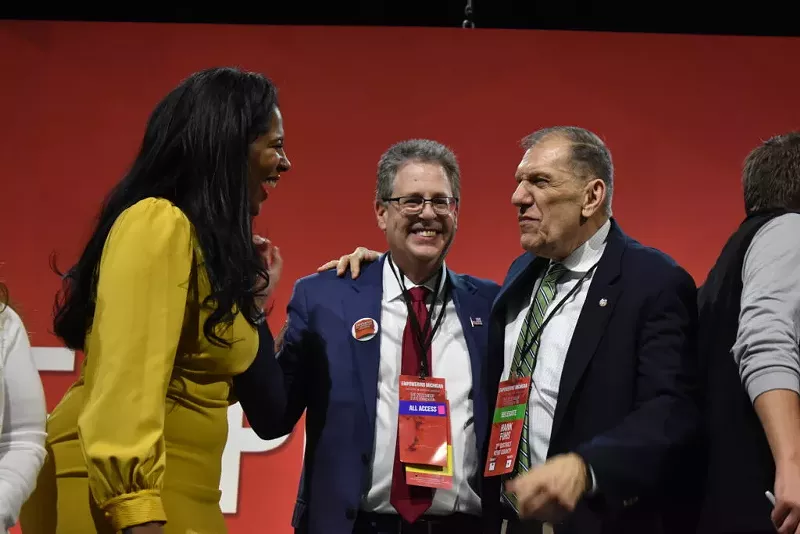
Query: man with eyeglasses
point(592, 356)
point(389, 368)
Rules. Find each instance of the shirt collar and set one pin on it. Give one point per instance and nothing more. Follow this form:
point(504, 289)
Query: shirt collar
point(392, 289)
point(590, 252)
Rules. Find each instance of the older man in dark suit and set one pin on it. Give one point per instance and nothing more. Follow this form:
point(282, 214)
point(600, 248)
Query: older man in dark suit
point(606, 329)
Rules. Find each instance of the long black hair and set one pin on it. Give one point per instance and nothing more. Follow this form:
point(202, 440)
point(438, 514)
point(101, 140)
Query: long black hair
point(194, 154)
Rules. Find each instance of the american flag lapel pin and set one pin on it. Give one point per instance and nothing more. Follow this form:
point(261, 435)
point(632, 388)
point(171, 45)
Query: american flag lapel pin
point(475, 321)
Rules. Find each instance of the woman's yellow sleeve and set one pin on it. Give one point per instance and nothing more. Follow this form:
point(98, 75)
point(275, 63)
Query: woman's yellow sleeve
point(130, 354)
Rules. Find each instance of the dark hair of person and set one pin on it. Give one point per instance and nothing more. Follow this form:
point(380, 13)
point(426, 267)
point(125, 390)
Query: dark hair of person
point(771, 174)
point(195, 154)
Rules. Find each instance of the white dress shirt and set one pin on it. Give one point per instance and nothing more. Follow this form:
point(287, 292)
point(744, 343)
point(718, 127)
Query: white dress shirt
point(23, 416)
point(450, 360)
point(555, 339)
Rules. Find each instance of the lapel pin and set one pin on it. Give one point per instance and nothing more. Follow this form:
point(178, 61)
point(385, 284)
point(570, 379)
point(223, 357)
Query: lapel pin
point(364, 329)
point(603, 302)
point(475, 321)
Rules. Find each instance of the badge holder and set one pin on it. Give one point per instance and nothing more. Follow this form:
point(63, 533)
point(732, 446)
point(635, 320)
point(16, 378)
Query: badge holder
point(509, 416)
point(424, 435)
point(439, 477)
point(507, 422)
point(423, 430)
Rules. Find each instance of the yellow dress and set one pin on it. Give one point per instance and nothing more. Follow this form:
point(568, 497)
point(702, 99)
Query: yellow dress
point(139, 436)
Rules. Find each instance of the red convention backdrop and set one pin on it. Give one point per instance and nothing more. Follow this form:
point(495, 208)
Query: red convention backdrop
point(678, 112)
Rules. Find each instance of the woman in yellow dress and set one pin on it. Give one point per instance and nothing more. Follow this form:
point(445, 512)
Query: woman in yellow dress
point(166, 302)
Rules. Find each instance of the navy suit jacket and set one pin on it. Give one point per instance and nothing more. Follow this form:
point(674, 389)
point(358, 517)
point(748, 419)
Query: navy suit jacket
point(626, 398)
point(324, 371)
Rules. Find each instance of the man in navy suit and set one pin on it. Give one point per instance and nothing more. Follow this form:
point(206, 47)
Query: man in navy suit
point(612, 405)
point(348, 342)
point(604, 329)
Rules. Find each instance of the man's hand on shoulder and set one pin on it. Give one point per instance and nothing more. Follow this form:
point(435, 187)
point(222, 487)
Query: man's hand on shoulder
point(354, 260)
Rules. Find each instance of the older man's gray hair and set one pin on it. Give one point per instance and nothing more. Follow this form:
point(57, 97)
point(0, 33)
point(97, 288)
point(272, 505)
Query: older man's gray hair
point(590, 158)
point(416, 150)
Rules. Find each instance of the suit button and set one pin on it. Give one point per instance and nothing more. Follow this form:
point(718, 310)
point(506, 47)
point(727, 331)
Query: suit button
point(365, 459)
point(350, 514)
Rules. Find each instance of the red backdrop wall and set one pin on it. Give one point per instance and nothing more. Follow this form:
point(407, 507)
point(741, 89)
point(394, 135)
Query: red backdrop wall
point(678, 112)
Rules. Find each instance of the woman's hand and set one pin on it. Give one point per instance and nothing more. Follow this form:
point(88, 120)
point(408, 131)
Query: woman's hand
point(280, 336)
point(274, 264)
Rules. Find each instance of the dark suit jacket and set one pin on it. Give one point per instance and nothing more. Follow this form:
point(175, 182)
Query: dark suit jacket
point(334, 378)
point(625, 401)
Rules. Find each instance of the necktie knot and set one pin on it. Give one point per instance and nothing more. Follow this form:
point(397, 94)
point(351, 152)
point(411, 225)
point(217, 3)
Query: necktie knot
point(555, 272)
point(418, 294)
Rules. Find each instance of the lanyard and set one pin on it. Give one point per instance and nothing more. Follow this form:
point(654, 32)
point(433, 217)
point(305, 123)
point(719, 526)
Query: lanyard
point(423, 342)
point(529, 345)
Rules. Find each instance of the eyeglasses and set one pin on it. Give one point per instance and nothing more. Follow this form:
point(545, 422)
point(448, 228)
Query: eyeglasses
point(413, 205)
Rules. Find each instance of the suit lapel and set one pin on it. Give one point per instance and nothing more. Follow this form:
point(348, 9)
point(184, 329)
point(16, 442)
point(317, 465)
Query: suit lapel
point(365, 302)
point(519, 281)
point(597, 309)
point(526, 271)
point(468, 306)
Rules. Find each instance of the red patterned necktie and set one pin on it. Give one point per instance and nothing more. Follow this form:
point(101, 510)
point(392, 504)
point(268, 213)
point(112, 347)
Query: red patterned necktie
point(411, 501)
